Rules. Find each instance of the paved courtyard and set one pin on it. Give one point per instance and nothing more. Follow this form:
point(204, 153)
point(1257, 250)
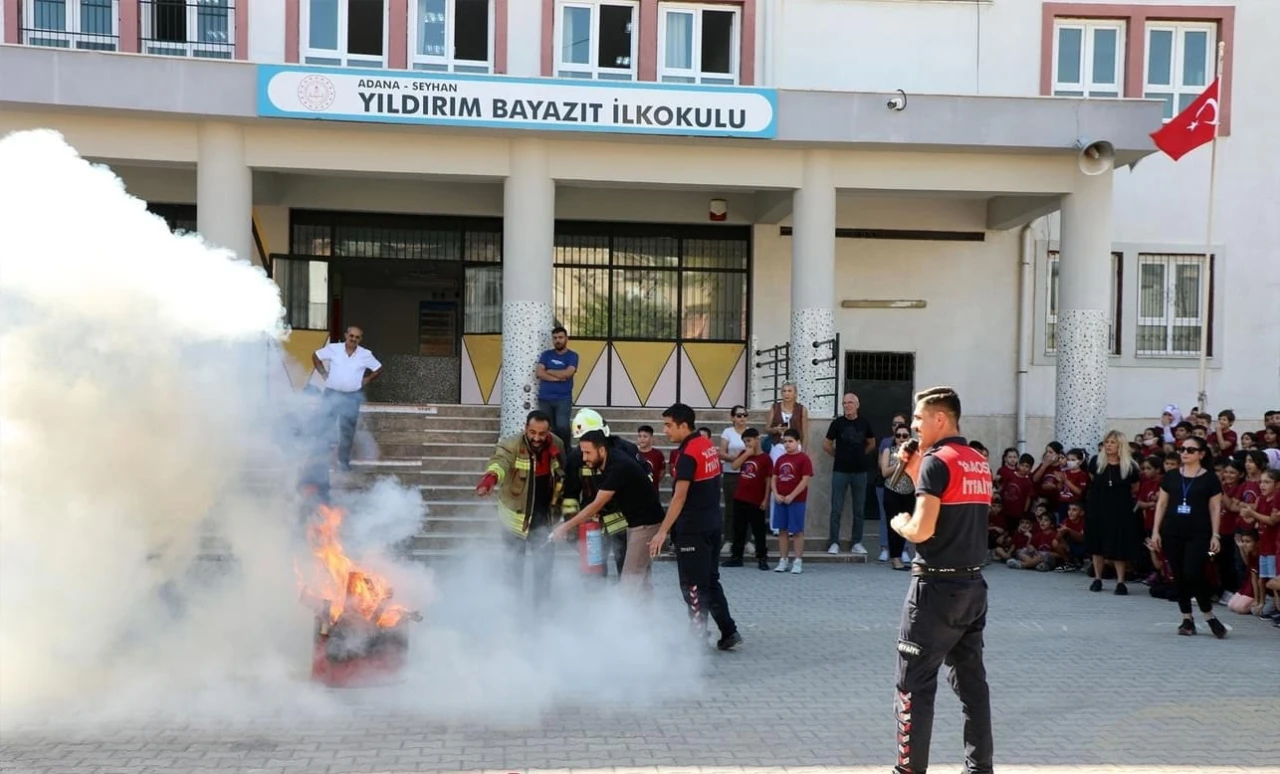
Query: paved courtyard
point(1080, 683)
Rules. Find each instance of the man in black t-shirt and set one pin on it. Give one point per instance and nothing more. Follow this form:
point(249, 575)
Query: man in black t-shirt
point(621, 486)
point(945, 613)
point(850, 440)
point(695, 514)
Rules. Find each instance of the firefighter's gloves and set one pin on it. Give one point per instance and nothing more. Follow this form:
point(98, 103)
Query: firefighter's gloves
point(486, 484)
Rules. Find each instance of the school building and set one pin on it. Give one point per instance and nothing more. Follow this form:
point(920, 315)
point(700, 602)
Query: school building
point(905, 193)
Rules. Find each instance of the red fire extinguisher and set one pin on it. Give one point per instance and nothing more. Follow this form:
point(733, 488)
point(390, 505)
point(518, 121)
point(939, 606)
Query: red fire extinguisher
point(591, 548)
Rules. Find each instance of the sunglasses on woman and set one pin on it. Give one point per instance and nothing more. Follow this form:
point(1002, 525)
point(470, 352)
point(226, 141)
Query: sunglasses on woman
point(1189, 449)
point(902, 437)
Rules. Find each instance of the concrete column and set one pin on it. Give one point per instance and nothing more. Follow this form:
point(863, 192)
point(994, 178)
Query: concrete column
point(1084, 295)
point(529, 216)
point(224, 189)
point(813, 276)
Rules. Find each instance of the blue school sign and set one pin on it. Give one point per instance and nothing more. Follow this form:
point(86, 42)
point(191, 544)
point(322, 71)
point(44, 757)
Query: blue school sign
point(496, 102)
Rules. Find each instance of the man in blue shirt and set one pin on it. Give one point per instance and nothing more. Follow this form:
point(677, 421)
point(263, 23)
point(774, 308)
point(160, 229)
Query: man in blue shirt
point(556, 368)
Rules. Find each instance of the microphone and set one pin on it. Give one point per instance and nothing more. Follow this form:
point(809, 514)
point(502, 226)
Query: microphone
point(911, 447)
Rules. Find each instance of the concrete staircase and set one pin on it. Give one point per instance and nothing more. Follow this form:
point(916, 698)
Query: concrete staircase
point(442, 451)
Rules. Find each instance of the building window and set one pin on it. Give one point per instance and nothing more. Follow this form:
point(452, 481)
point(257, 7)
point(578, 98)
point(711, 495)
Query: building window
point(180, 218)
point(345, 33)
point(1169, 304)
point(89, 25)
point(1088, 58)
point(1051, 305)
point(666, 283)
point(698, 44)
point(596, 40)
point(1181, 59)
point(199, 28)
point(451, 35)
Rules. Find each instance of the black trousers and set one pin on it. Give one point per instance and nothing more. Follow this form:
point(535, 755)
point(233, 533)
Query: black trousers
point(1187, 557)
point(942, 622)
point(698, 565)
point(894, 504)
point(746, 516)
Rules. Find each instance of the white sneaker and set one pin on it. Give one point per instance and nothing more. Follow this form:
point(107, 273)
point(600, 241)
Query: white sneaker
point(884, 555)
point(858, 550)
point(795, 566)
point(782, 566)
point(833, 549)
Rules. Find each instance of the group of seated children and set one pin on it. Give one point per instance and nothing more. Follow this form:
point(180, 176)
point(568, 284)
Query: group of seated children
point(1037, 513)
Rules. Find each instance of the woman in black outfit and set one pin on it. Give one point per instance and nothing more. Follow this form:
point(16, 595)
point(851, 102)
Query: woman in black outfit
point(1112, 528)
point(1188, 512)
point(899, 499)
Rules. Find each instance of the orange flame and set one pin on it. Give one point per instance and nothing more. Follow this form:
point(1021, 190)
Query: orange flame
point(341, 584)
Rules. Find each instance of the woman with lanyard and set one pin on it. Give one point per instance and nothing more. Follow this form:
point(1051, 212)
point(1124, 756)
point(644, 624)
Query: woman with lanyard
point(899, 497)
point(1188, 511)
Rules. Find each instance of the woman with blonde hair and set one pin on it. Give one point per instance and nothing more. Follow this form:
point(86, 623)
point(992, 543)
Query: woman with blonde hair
point(1113, 523)
point(787, 413)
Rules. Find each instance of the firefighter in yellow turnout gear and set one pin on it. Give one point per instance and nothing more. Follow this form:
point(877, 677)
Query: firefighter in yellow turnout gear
point(582, 483)
point(528, 472)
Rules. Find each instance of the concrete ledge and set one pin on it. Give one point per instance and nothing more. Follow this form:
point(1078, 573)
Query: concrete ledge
point(49, 77)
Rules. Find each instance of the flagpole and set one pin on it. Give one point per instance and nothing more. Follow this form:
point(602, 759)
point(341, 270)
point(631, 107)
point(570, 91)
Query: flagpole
point(1202, 397)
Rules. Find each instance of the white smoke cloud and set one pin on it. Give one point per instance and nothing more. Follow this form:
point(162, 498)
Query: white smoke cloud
point(138, 433)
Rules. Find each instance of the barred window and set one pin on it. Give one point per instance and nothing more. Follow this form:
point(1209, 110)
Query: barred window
point(1170, 304)
point(623, 281)
point(1051, 305)
point(471, 248)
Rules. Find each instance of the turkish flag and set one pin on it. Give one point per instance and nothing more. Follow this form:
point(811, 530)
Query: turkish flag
point(1192, 127)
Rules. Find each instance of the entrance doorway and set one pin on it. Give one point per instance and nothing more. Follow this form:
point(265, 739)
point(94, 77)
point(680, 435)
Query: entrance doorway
point(884, 383)
point(416, 285)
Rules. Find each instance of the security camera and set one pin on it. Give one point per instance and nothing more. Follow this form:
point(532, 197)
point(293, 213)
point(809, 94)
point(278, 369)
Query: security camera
point(899, 102)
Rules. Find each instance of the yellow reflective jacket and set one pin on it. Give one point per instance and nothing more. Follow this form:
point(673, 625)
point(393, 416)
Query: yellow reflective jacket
point(513, 463)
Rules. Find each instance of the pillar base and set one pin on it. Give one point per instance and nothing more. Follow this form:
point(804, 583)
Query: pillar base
point(1080, 414)
point(526, 328)
point(808, 326)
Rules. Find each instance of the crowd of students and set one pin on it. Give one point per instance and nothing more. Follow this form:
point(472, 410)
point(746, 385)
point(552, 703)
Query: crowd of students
point(1190, 508)
point(1130, 510)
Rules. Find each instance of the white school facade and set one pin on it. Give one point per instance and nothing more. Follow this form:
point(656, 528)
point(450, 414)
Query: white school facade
point(686, 185)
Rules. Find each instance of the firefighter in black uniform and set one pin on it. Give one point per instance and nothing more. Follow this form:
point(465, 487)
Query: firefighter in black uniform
point(946, 607)
point(694, 512)
point(582, 483)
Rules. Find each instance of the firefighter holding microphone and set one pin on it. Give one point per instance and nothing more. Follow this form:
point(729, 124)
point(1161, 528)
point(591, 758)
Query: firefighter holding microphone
point(945, 612)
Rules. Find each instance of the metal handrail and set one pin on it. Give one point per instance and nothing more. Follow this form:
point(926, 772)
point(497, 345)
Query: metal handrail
point(779, 355)
point(832, 357)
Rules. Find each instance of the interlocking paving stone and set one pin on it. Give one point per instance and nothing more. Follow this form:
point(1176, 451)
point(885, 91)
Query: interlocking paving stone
point(1080, 683)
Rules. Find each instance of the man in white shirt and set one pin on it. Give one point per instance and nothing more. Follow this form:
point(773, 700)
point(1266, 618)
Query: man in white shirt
point(346, 368)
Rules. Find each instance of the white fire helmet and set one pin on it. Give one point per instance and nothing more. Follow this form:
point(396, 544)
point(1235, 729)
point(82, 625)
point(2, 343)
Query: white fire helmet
point(586, 421)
